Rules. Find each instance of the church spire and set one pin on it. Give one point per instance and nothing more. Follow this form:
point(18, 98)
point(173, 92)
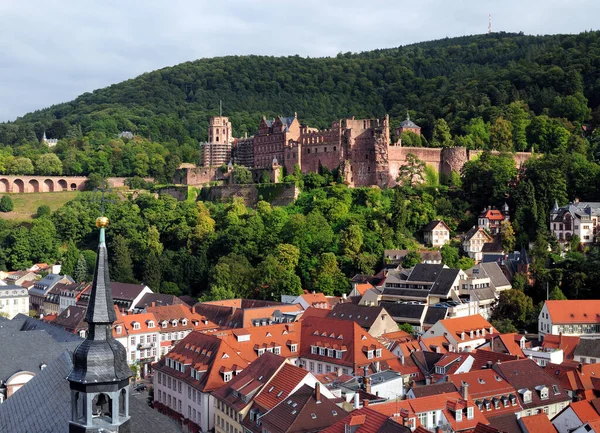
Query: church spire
point(99, 379)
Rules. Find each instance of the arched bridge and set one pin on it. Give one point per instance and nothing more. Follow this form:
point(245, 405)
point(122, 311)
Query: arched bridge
point(25, 184)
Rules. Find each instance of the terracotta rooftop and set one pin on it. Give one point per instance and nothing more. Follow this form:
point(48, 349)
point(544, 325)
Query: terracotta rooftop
point(537, 424)
point(281, 386)
point(368, 421)
point(457, 325)
point(574, 311)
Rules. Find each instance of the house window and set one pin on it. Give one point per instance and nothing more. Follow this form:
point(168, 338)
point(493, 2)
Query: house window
point(319, 368)
point(369, 354)
point(338, 354)
point(136, 325)
point(423, 419)
point(293, 348)
point(314, 350)
point(132, 341)
point(322, 351)
point(311, 366)
point(330, 353)
point(119, 329)
point(277, 350)
point(150, 324)
point(378, 353)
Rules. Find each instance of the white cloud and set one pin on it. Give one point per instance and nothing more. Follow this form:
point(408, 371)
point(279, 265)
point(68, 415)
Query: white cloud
point(54, 50)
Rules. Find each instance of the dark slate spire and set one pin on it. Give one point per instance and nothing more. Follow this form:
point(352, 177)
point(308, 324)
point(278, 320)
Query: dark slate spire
point(100, 358)
point(100, 307)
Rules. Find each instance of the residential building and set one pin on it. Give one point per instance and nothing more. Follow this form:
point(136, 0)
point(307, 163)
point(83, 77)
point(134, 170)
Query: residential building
point(17, 278)
point(342, 346)
point(571, 318)
point(387, 385)
point(367, 420)
point(69, 294)
point(39, 290)
point(186, 377)
point(436, 234)
point(72, 320)
point(452, 412)
point(543, 356)
point(538, 391)
point(474, 241)
point(175, 322)
point(492, 394)
point(575, 415)
point(125, 296)
point(13, 300)
point(394, 257)
point(579, 381)
point(375, 320)
point(244, 313)
point(307, 300)
point(156, 300)
point(463, 333)
point(575, 219)
point(305, 411)
point(587, 351)
point(491, 219)
point(52, 301)
point(139, 334)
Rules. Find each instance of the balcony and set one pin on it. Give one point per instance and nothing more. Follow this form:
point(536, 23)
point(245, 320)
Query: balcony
point(143, 346)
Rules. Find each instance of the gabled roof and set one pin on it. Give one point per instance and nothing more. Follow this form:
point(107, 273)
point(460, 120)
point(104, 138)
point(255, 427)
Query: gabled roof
point(568, 344)
point(455, 326)
point(434, 389)
point(281, 385)
point(433, 225)
point(484, 357)
point(574, 311)
point(72, 319)
point(492, 214)
point(179, 312)
point(363, 315)
point(525, 374)
point(443, 284)
point(404, 311)
point(342, 335)
point(303, 411)
point(250, 381)
point(207, 354)
point(368, 421)
point(158, 299)
point(475, 230)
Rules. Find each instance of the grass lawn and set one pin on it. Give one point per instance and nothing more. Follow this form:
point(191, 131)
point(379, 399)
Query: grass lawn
point(26, 205)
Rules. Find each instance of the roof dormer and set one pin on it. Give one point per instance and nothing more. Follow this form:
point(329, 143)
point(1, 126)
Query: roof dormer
point(135, 325)
point(150, 323)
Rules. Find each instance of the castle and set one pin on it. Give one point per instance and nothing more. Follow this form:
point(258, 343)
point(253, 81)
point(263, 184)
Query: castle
point(362, 149)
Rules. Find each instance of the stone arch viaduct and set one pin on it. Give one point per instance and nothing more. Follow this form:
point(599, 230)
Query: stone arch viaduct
point(26, 184)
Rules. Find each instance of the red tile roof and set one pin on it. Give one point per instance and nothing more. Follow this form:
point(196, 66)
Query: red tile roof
point(568, 344)
point(373, 422)
point(280, 386)
point(574, 311)
point(537, 424)
point(482, 357)
point(585, 411)
point(342, 335)
point(457, 325)
point(492, 214)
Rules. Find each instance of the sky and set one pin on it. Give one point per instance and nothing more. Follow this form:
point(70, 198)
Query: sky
point(51, 51)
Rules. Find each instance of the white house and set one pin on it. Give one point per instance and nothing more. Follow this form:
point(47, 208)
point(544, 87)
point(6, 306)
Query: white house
point(436, 233)
point(570, 317)
point(474, 241)
point(575, 219)
point(13, 300)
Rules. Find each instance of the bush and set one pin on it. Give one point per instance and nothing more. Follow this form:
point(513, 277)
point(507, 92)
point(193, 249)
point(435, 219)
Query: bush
point(138, 183)
point(42, 211)
point(6, 204)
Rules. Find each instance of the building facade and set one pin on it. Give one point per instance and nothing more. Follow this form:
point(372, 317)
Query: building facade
point(575, 219)
point(570, 318)
point(13, 300)
point(436, 234)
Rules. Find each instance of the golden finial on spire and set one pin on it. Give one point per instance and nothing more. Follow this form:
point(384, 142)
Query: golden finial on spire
point(101, 222)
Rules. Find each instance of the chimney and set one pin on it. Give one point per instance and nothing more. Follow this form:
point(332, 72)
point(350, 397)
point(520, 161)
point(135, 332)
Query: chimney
point(489, 364)
point(365, 403)
point(367, 383)
point(153, 304)
point(356, 401)
point(464, 391)
point(580, 367)
point(318, 391)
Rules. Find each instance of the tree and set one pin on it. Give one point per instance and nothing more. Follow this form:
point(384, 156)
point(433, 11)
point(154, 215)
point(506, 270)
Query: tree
point(6, 204)
point(170, 288)
point(515, 306)
point(48, 164)
point(557, 295)
point(151, 271)
point(412, 172)
point(412, 259)
point(121, 263)
point(351, 240)
point(450, 255)
point(241, 175)
point(275, 279)
point(504, 326)
point(501, 135)
point(441, 134)
point(507, 235)
point(327, 276)
point(81, 270)
point(70, 259)
point(406, 327)
point(265, 177)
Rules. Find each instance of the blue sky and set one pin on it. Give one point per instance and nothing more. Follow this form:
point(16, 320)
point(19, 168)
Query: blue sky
point(54, 50)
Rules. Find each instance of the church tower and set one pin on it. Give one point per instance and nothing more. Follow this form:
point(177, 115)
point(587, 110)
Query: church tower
point(99, 379)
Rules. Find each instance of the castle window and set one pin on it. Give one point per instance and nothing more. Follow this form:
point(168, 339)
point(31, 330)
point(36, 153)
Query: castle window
point(307, 150)
point(334, 148)
point(367, 156)
point(325, 150)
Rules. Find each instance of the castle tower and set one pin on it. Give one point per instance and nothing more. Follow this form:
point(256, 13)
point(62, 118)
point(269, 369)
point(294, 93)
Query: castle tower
point(219, 130)
point(217, 151)
point(408, 126)
point(99, 380)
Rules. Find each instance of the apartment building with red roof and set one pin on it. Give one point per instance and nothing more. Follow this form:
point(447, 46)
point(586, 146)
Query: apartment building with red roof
point(570, 318)
point(139, 334)
point(492, 394)
point(186, 377)
point(175, 322)
point(243, 313)
point(463, 333)
point(580, 381)
point(537, 391)
point(453, 411)
point(307, 410)
point(330, 345)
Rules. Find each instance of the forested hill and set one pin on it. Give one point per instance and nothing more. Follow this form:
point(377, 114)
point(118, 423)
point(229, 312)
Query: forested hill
point(457, 79)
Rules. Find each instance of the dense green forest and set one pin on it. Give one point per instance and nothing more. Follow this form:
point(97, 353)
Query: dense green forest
point(499, 91)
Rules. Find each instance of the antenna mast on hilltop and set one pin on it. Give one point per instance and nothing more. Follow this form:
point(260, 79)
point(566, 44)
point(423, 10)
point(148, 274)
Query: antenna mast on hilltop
point(489, 23)
point(220, 108)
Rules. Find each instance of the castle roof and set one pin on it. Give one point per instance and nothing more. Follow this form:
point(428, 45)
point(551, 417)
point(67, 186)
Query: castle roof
point(407, 123)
